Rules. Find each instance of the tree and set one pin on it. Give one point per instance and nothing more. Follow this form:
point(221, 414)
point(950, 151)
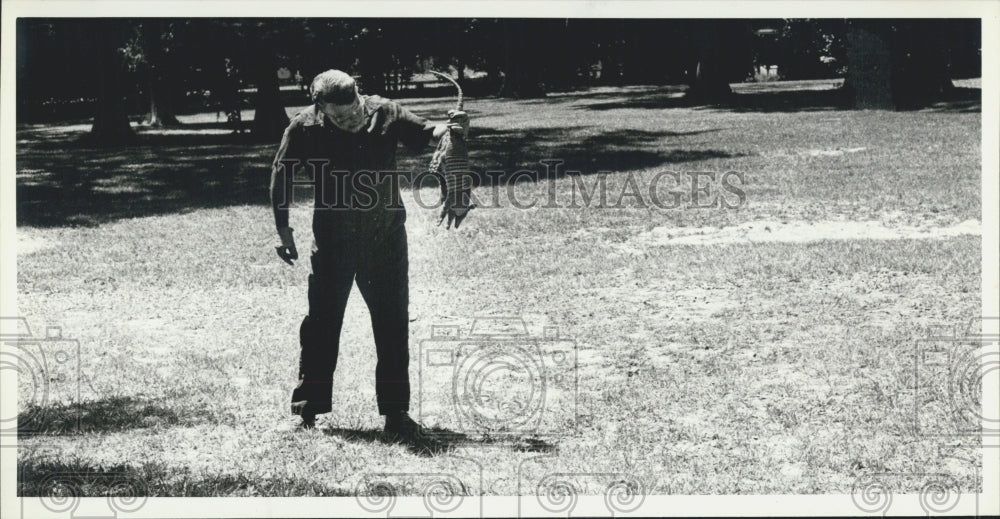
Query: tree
point(373, 58)
point(868, 82)
point(920, 74)
point(477, 43)
point(270, 118)
point(325, 44)
point(903, 64)
point(652, 51)
point(806, 49)
point(723, 54)
point(111, 123)
point(523, 58)
point(156, 36)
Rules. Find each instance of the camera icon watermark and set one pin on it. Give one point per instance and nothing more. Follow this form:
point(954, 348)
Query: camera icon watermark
point(497, 380)
point(47, 367)
point(457, 491)
point(950, 369)
point(934, 492)
point(542, 492)
point(70, 494)
point(875, 493)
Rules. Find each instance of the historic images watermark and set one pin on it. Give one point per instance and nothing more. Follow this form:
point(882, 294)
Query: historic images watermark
point(341, 190)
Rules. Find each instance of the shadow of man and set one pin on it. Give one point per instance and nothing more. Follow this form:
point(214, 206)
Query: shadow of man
point(434, 441)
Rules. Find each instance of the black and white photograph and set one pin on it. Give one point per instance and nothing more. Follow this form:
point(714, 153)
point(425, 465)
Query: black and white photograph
point(558, 259)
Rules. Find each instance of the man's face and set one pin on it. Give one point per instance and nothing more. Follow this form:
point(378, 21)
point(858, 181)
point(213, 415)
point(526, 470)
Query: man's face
point(349, 117)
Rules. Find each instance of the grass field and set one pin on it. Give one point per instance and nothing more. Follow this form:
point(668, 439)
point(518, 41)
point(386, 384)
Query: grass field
point(783, 365)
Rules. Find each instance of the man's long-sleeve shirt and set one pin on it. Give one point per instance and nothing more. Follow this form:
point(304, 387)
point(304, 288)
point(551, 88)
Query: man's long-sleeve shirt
point(331, 159)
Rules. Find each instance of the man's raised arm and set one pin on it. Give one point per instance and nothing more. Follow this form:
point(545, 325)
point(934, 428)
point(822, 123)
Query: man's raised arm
point(415, 131)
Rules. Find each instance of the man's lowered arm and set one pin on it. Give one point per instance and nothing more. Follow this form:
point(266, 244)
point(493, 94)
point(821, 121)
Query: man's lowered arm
point(282, 171)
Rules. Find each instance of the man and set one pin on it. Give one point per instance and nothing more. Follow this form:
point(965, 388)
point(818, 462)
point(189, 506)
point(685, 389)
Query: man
point(346, 137)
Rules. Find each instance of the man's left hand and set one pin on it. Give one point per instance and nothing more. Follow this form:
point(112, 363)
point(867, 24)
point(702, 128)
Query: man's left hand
point(458, 122)
point(286, 251)
point(377, 124)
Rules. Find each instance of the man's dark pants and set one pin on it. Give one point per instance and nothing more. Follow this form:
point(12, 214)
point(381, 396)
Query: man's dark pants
point(378, 261)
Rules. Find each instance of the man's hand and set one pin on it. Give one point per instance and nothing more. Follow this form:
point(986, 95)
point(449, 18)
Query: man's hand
point(458, 123)
point(378, 126)
point(286, 251)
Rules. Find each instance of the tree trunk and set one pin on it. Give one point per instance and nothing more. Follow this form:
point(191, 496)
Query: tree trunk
point(270, 118)
point(373, 63)
point(920, 64)
point(522, 70)
point(869, 69)
point(161, 110)
point(710, 81)
point(895, 67)
point(560, 74)
point(372, 79)
point(111, 125)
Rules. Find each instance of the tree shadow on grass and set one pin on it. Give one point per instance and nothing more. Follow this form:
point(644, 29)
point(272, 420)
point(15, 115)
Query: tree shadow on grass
point(101, 416)
point(619, 150)
point(777, 99)
point(434, 441)
point(606, 92)
point(62, 181)
point(516, 155)
point(763, 101)
point(960, 100)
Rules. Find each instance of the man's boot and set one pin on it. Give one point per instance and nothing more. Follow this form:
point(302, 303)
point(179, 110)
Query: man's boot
point(402, 426)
